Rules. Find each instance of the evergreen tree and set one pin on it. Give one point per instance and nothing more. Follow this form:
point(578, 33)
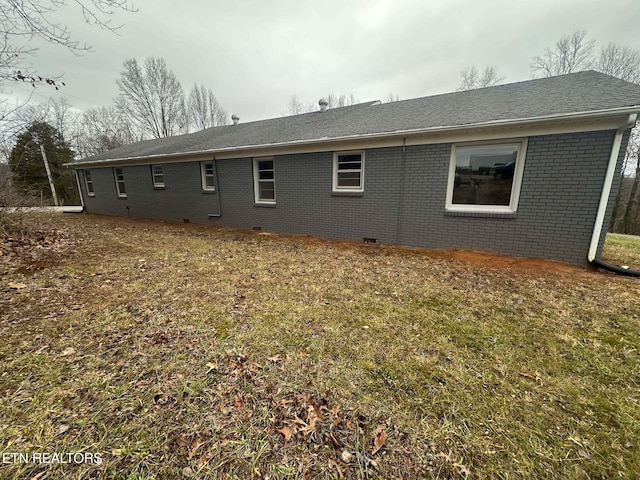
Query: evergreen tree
point(27, 166)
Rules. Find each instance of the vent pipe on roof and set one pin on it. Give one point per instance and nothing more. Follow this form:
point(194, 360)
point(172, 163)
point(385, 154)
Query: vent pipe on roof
point(323, 105)
point(235, 119)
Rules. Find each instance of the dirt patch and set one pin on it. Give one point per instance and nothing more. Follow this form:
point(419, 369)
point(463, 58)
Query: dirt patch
point(484, 259)
point(513, 263)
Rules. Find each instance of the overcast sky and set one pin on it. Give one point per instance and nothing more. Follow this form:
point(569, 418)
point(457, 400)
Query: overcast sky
point(255, 55)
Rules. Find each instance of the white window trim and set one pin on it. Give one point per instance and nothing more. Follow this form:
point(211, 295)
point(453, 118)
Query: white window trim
point(154, 175)
point(203, 176)
point(335, 187)
point(115, 177)
point(256, 181)
point(515, 188)
point(87, 182)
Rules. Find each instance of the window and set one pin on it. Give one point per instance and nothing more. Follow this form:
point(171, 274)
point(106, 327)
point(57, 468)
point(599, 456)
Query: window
point(88, 183)
point(122, 192)
point(264, 180)
point(157, 175)
point(486, 177)
point(348, 172)
point(207, 172)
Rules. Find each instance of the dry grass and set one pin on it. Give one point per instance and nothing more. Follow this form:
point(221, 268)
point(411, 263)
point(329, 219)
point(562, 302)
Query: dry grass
point(184, 351)
point(622, 250)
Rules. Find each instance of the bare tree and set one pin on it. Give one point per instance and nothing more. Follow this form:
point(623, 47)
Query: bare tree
point(102, 129)
point(572, 53)
point(22, 21)
point(65, 118)
point(633, 205)
point(473, 78)
point(341, 100)
point(619, 61)
point(392, 97)
point(334, 100)
point(624, 63)
point(296, 107)
point(152, 98)
point(204, 110)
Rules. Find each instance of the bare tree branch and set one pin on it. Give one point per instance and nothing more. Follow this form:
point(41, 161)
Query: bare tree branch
point(334, 100)
point(618, 61)
point(102, 129)
point(572, 53)
point(392, 97)
point(472, 78)
point(204, 110)
point(296, 107)
point(34, 19)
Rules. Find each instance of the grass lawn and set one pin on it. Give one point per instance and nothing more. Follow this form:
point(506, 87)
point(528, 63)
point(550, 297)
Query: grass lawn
point(622, 250)
point(181, 351)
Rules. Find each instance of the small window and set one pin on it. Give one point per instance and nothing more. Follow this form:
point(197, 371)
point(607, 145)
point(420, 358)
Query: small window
point(120, 188)
point(264, 180)
point(157, 175)
point(207, 171)
point(88, 183)
point(348, 172)
point(486, 177)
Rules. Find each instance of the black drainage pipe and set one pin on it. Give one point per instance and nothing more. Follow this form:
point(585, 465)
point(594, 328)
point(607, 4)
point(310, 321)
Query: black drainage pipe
point(627, 272)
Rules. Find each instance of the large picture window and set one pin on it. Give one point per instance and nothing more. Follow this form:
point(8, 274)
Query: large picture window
point(264, 180)
point(486, 177)
point(348, 172)
point(120, 188)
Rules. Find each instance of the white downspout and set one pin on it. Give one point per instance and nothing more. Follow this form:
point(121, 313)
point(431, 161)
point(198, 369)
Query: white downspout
point(608, 181)
point(79, 189)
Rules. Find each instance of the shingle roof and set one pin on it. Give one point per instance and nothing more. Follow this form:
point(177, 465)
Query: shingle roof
point(562, 95)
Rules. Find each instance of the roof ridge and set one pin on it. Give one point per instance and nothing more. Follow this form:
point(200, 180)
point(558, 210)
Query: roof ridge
point(502, 85)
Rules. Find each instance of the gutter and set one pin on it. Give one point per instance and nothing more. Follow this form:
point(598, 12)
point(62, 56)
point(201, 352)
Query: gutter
point(588, 115)
point(604, 199)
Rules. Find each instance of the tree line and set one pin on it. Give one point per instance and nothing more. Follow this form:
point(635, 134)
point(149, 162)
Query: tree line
point(151, 104)
point(577, 52)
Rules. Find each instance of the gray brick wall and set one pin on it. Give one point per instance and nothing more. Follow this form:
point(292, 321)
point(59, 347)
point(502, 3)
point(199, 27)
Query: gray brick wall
point(181, 198)
point(305, 203)
point(559, 198)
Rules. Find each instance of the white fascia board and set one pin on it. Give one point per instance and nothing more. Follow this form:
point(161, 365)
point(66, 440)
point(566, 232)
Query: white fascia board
point(545, 125)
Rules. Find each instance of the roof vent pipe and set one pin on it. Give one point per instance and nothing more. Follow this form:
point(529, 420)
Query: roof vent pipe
point(235, 119)
point(323, 105)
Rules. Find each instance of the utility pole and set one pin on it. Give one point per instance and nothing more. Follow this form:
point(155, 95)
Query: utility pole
point(46, 166)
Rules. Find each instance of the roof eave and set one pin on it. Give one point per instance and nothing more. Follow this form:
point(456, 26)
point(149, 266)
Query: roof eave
point(445, 129)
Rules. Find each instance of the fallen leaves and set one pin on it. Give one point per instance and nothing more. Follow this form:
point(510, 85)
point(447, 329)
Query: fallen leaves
point(68, 352)
point(531, 376)
point(304, 402)
point(285, 432)
point(380, 436)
